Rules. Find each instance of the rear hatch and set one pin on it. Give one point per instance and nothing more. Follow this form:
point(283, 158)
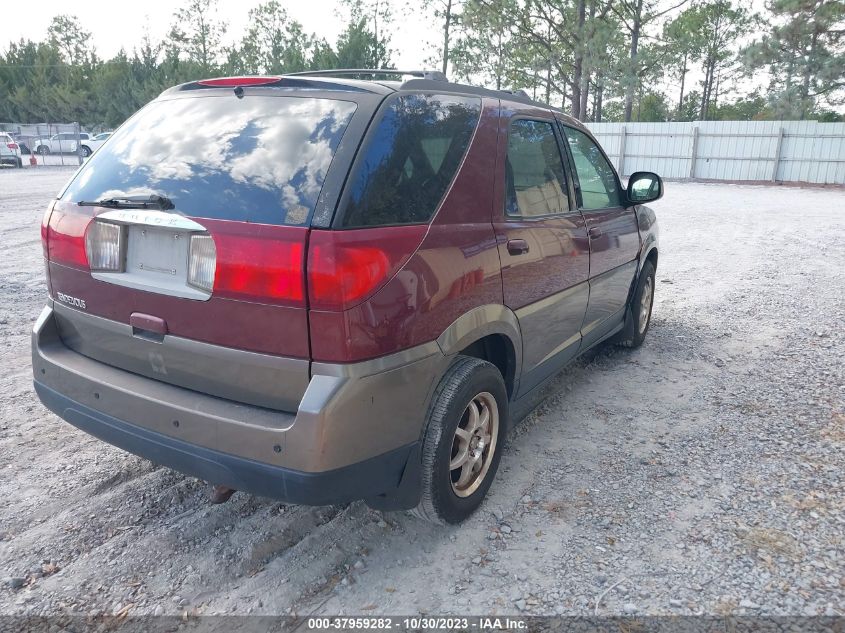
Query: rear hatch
point(202, 284)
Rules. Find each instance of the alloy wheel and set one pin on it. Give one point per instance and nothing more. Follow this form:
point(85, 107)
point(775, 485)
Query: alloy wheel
point(474, 444)
point(646, 298)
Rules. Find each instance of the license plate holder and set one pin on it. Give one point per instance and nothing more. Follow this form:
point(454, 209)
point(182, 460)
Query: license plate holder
point(157, 253)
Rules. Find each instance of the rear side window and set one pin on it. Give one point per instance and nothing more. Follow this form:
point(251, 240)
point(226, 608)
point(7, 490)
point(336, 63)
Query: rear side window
point(258, 159)
point(410, 159)
point(534, 177)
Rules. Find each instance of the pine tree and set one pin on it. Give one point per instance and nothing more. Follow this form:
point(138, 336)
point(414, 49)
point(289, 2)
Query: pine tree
point(805, 54)
point(197, 34)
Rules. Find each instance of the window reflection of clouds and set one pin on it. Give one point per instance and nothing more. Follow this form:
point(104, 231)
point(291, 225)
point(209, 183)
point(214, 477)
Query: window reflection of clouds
point(86, 176)
point(256, 151)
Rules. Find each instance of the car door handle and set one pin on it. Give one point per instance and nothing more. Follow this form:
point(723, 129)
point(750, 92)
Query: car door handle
point(594, 233)
point(517, 247)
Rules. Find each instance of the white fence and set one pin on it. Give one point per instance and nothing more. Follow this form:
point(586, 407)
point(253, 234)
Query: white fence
point(777, 151)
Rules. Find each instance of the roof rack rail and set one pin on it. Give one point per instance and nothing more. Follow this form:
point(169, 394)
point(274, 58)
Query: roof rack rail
point(517, 93)
point(433, 75)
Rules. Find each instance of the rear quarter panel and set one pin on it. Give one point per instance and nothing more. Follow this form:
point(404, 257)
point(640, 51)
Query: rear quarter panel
point(455, 269)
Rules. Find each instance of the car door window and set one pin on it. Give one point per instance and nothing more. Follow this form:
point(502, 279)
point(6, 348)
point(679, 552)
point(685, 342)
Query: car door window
point(596, 178)
point(534, 176)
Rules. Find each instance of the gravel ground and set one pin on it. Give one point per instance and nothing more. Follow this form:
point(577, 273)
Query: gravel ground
point(702, 473)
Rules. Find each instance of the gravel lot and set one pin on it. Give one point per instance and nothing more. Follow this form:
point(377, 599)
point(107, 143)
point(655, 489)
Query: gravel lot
point(702, 473)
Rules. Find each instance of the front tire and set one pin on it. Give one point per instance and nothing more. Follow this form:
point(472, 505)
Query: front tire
point(85, 151)
point(463, 442)
point(641, 304)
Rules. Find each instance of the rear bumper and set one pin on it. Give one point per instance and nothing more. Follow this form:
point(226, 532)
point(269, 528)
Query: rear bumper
point(354, 435)
point(381, 475)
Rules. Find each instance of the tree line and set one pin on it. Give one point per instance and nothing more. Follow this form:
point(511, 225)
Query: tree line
point(600, 60)
point(656, 60)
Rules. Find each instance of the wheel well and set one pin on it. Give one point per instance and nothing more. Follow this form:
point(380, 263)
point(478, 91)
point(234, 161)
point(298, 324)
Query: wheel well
point(498, 350)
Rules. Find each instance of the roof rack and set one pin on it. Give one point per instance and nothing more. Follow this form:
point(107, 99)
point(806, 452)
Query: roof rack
point(430, 80)
point(433, 75)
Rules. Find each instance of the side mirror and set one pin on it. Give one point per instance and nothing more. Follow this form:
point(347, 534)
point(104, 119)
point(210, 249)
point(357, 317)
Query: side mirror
point(644, 186)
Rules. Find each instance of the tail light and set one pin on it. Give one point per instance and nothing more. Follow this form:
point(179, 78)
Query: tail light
point(65, 238)
point(260, 263)
point(346, 267)
point(202, 262)
point(12, 145)
point(234, 82)
point(103, 246)
point(45, 221)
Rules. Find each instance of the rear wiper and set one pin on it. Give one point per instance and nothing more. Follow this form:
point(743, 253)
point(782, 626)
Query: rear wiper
point(152, 201)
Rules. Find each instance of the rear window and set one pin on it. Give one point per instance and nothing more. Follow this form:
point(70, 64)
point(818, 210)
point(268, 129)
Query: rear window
point(410, 159)
point(256, 159)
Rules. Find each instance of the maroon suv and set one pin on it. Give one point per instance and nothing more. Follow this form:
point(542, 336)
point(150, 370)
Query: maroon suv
point(322, 289)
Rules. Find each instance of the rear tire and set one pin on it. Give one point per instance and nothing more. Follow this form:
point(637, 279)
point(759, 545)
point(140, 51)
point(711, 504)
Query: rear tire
point(640, 309)
point(85, 151)
point(43, 150)
point(459, 464)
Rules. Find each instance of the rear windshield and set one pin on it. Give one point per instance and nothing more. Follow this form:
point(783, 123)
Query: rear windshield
point(257, 159)
point(410, 159)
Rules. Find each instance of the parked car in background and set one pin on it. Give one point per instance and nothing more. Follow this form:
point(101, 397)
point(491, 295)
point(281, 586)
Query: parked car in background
point(92, 144)
point(357, 303)
point(10, 152)
point(23, 143)
point(62, 143)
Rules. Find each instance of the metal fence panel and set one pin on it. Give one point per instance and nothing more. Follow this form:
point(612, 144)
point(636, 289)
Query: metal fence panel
point(783, 151)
